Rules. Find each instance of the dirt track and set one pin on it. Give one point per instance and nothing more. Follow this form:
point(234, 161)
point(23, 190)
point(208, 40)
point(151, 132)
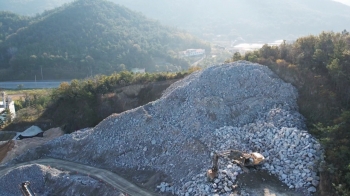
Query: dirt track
point(257, 183)
point(11, 149)
point(5, 148)
point(108, 177)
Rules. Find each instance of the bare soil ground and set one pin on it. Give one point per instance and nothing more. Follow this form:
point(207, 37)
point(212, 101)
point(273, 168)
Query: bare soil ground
point(257, 183)
point(17, 96)
point(5, 136)
point(13, 148)
point(5, 147)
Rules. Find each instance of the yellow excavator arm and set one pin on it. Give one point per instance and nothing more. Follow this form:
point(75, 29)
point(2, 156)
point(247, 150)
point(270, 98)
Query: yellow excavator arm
point(236, 156)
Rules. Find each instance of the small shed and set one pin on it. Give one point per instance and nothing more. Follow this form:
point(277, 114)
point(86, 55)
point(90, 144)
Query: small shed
point(33, 131)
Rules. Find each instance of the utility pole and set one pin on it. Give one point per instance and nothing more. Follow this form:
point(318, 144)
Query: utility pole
point(42, 77)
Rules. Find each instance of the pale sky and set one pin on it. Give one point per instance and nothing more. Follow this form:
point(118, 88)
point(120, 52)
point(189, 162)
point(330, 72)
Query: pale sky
point(346, 2)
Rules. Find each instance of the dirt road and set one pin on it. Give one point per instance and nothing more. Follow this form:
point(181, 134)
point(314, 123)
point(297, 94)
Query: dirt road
point(196, 63)
point(108, 177)
point(5, 148)
point(256, 183)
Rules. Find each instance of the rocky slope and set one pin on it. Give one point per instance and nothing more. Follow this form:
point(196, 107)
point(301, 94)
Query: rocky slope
point(45, 180)
point(241, 105)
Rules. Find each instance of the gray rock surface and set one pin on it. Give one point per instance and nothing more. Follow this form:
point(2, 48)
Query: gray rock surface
point(46, 181)
point(240, 105)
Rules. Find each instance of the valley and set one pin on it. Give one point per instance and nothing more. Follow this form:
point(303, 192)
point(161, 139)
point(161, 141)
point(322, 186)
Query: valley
point(138, 98)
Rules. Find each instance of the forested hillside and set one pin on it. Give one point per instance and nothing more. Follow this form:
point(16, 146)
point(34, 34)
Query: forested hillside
point(86, 38)
point(85, 103)
point(319, 66)
point(10, 23)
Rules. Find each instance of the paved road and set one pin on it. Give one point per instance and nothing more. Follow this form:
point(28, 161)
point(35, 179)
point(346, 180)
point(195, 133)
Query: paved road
point(108, 177)
point(196, 63)
point(30, 85)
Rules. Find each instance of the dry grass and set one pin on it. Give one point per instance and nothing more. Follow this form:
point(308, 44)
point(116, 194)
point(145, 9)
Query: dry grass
point(18, 94)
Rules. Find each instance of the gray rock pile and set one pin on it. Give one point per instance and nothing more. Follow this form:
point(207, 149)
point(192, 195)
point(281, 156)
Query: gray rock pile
point(291, 154)
point(9, 184)
point(224, 184)
point(240, 105)
point(46, 181)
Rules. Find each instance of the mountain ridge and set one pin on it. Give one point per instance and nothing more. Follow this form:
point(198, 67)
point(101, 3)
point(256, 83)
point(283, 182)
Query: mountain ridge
point(92, 37)
point(253, 20)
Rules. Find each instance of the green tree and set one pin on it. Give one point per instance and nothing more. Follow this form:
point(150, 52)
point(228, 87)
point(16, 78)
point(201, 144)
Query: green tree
point(251, 56)
point(236, 56)
point(269, 52)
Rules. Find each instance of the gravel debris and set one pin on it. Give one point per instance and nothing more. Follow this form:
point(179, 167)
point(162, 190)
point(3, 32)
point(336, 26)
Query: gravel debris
point(46, 181)
point(240, 105)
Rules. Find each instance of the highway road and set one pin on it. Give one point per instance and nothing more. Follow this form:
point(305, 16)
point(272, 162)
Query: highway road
point(108, 177)
point(30, 84)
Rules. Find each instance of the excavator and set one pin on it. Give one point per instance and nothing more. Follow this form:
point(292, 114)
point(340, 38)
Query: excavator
point(242, 159)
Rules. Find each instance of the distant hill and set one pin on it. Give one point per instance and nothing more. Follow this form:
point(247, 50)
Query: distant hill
point(30, 7)
point(88, 37)
point(252, 20)
point(10, 23)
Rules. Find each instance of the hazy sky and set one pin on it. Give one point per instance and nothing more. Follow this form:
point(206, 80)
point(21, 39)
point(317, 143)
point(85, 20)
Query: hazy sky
point(346, 2)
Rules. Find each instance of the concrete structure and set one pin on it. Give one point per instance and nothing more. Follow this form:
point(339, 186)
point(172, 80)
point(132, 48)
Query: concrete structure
point(3, 102)
point(7, 103)
point(192, 52)
point(32, 131)
point(138, 70)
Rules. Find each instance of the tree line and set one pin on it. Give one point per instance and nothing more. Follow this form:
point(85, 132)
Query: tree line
point(84, 103)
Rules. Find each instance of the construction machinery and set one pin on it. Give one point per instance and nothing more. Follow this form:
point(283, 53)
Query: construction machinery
point(25, 189)
point(242, 159)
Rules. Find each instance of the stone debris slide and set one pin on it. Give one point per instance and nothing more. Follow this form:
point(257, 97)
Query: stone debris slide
point(241, 105)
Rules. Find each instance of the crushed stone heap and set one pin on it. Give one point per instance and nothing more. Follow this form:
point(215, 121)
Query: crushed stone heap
point(240, 105)
point(43, 179)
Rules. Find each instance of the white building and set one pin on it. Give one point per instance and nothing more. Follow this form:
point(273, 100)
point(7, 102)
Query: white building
point(192, 52)
point(3, 102)
point(7, 103)
point(138, 70)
